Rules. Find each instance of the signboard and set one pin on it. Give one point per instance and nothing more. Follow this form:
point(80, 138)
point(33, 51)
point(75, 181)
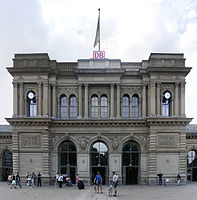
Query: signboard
point(98, 55)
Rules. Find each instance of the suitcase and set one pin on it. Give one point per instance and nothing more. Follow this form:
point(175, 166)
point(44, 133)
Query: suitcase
point(80, 185)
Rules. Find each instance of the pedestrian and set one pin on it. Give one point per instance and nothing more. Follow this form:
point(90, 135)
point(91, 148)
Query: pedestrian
point(98, 181)
point(115, 182)
point(39, 180)
point(160, 175)
point(34, 179)
point(60, 180)
point(29, 180)
point(13, 181)
point(18, 180)
point(178, 179)
point(56, 179)
point(77, 179)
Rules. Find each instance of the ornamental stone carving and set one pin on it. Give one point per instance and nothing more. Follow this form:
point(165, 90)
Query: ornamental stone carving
point(31, 141)
point(169, 87)
point(83, 141)
point(115, 141)
point(68, 90)
point(99, 91)
point(131, 90)
point(167, 141)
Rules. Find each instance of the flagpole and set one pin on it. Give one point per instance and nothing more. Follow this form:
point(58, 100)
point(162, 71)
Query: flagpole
point(99, 31)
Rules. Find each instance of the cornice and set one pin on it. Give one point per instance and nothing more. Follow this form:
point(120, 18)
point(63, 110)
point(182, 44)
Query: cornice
point(142, 122)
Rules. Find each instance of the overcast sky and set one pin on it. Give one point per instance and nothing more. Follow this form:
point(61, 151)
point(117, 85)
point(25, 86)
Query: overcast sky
point(130, 31)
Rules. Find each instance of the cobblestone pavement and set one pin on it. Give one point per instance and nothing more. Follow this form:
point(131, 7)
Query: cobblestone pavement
point(137, 192)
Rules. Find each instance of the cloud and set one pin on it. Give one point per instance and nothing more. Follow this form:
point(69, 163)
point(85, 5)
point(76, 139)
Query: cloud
point(65, 29)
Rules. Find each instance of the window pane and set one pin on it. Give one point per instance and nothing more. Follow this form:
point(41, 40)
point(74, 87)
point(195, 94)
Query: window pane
point(125, 107)
point(135, 107)
point(63, 107)
point(73, 107)
point(94, 107)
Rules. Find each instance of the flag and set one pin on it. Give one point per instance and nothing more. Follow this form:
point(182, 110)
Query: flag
point(97, 38)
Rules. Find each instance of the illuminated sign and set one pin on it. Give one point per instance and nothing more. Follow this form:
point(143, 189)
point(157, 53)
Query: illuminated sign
point(98, 55)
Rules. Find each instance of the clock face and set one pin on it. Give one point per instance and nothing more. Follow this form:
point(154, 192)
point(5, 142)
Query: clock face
point(30, 95)
point(167, 95)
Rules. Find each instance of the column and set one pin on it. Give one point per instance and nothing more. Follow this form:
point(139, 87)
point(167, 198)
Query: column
point(176, 99)
point(49, 98)
point(130, 108)
point(118, 101)
point(144, 100)
point(15, 150)
point(112, 101)
point(152, 99)
point(46, 155)
point(54, 101)
point(39, 99)
point(21, 103)
point(152, 158)
point(158, 99)
point(15, 99)
point(86, 101)
point(80, 102)
point(183, 99)
point(45, 100)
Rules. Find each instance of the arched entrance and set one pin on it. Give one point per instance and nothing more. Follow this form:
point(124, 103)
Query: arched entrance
point(7, 166)
point(192, 165)
point(130, 162)
point(67, 159)
point(99, 161)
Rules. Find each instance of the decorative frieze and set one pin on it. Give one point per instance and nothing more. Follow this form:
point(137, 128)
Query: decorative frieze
point(165, 141)
point(30, 141)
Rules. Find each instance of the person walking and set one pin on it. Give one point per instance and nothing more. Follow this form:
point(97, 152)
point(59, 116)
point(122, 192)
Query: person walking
point(39, 180)
point(13, 181)
point(60, 180)
point(18, 180)
point(56, 179)
point(178, 179)
point(115, 182)
point(34, 179)
point(160, 175)
point(98, 181)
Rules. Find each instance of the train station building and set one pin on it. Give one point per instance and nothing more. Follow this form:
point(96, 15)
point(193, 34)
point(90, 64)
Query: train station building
point(99, 115)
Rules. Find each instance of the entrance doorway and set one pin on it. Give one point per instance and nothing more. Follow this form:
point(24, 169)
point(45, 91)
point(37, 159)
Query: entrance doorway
point(67, 160)
point(6, 165)
point(130, 162)
point(99, 161)
point(192, 165)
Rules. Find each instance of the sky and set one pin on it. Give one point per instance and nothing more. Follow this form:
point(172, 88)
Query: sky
point(130, 31)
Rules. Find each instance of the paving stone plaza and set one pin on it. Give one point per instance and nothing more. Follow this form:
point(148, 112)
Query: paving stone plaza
point(134, 192)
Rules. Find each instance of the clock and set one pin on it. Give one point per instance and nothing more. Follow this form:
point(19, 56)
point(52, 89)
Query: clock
point(167, 95)
point(30, 95)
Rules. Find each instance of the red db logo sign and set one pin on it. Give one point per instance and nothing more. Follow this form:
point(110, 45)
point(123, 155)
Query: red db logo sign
point(98, 55)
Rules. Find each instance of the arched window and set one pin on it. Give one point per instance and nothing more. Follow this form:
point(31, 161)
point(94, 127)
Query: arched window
point(32, 105)
point(63, 107)
point(99, 160)
point(94, 106)
point(135, 106)
point(67, 159)
point(73, 106)
point(125, 106)
point(192, 165)
point(166, 104)
point(6, 164)
point(130, 162)
point(104, 106)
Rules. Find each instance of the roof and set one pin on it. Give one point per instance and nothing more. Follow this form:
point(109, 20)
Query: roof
point(191, 128)
point(5, 129)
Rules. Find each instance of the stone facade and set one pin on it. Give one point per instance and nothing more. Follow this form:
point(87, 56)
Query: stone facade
point(108, 101)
